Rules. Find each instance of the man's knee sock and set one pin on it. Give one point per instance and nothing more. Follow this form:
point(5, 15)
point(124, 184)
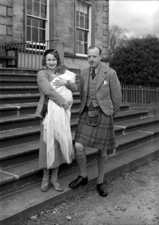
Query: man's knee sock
point(81, 161)
point(101, 168)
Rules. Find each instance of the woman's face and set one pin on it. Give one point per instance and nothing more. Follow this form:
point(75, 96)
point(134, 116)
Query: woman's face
point(51, 62)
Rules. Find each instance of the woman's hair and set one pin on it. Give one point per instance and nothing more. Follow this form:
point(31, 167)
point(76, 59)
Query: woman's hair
point(53, 52)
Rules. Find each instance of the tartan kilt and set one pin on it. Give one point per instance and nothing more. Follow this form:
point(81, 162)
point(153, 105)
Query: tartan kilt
point(100, 137)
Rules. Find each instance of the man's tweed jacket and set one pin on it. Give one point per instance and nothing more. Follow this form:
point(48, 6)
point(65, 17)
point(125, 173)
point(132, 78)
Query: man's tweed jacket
point(108, 90)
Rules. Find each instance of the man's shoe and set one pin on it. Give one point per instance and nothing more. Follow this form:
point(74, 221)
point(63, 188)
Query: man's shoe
point(102, 190)
point(79, 181)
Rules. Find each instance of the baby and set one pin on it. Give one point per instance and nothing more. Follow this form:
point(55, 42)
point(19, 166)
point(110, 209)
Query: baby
point(65, 74)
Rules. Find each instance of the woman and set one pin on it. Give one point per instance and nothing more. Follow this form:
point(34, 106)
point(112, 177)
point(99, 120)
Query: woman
point(51, 62)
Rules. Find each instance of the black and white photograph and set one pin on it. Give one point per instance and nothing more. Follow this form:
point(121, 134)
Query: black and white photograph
point(79, 112)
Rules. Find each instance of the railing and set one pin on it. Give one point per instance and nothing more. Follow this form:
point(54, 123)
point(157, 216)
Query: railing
point(140, 94)
point(29, 54)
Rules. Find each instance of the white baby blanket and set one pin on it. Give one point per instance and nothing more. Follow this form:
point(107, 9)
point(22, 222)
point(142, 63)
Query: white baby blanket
point(57, 123)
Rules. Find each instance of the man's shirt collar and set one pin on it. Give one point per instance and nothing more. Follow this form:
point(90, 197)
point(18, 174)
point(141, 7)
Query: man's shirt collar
point(96, 70)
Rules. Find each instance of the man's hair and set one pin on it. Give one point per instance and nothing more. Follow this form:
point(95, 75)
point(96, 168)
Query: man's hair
point(93, 47)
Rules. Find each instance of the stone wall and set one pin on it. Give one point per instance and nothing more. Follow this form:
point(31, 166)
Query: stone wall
point(19, 21)
point(102, 26)
point(64, 24)
point(6, 20)
point(11, 20)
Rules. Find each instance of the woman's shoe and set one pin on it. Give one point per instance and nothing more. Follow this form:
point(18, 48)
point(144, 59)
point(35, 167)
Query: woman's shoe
point(57, 186)
point(45, 186)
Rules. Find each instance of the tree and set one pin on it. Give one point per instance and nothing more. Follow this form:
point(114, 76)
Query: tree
point(138, 61)
point(117, 37)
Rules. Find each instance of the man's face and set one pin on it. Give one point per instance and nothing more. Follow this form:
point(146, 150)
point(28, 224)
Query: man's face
point(94, 57)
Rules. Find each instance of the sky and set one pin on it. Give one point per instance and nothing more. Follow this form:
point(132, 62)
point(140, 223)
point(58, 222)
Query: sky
point(139, 17)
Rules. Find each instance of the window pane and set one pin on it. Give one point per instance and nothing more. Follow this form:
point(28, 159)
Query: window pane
point(42, 36)
point(43, 11)
point(34, 34)
point(77, 19)
point(82, 20)
point(85, 48)
point(28, 21)
point(29, 6)
point(85, 36)
point(35, 22)
point(86, 23)
point(80, 35)
point(28, 33)
point(42, 24)
point(80, 48)
point(77, 34)
point(36, 8)
point(36, 27)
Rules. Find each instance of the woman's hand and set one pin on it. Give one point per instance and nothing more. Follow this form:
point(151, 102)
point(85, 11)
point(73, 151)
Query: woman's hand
point(60, 82)
point(66, 105)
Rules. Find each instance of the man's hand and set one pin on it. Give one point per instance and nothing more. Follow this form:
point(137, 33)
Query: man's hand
point(60, 82)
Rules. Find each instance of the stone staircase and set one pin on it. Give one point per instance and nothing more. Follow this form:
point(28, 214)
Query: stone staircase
point(20, 178)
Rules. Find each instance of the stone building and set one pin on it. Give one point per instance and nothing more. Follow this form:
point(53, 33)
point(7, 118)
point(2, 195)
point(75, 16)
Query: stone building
point(71, 26)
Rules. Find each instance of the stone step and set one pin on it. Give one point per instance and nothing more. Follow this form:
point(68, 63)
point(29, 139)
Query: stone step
point(20, 77)
point(24, 121)
point(24, 134)
point(26, 98)
point(29, 201)
point(130, 115)
point(18, 124)
point(136, 124)
point(124, 107)
point(21, 153)
point(18, 98)
point(132, 139)
point(13, 71)
point(19, 136)
point(27, 172)
point(27, 120)
point(18, 90)
point(19, 109)
point(16, 154)
point(14, 83)
point(15, 122)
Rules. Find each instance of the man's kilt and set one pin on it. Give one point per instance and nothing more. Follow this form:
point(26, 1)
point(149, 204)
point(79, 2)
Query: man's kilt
point(100, 137)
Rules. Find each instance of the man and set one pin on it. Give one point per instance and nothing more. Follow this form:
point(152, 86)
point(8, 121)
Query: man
point(100, 94)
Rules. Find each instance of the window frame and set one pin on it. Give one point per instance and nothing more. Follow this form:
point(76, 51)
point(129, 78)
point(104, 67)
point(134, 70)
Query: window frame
point(38, 44)
point(88, 4)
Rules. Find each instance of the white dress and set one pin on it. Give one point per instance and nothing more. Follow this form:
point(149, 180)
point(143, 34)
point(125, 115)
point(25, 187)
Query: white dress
point(57, 123)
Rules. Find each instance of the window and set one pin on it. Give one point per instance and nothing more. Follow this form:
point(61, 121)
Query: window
point(82, 27)
point(36, 21)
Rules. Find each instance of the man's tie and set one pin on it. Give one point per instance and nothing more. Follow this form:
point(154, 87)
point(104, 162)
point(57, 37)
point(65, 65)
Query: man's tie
point(93, 73)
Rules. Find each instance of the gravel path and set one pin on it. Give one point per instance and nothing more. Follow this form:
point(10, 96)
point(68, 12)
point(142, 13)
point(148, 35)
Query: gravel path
point(133, 200)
